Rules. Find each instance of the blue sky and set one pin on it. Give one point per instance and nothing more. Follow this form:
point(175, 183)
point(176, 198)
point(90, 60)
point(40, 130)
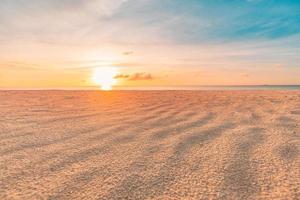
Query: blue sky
point(217, 20)
point(194, 41)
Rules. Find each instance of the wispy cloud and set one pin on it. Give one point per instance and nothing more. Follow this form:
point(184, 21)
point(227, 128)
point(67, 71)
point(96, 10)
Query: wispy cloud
point(135, 77)
point(151, 36)
point(19, 66)
point(139, 21)
point(127, 53)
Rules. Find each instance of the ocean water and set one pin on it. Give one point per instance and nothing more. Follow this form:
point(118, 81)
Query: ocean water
point(227, 87)
point(213, 87)
point(251, 87)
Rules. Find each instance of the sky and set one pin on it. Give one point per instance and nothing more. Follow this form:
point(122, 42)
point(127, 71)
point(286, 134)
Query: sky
point(149, 43)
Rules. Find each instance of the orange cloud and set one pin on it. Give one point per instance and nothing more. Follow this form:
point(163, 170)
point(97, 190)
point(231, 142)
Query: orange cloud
point(120, 76)
point(135, 77)
point(127, 53)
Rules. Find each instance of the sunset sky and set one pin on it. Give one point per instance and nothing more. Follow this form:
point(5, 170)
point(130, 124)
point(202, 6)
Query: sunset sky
point(148, 43)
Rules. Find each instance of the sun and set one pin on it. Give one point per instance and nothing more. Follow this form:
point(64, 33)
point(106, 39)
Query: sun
point(104, 77)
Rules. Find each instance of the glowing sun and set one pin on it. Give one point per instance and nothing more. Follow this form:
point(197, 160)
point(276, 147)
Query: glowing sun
point(104, 77)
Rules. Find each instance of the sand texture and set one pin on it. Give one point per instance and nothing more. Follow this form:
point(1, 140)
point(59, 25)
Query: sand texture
point(150, 145)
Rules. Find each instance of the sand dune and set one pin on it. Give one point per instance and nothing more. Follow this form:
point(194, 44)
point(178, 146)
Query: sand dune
point(150, 145)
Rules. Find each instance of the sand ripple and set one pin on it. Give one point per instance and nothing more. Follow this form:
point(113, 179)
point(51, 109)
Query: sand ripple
point(149, 145)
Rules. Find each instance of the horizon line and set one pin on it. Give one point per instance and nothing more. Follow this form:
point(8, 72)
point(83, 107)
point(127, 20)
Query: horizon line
point(162, 88)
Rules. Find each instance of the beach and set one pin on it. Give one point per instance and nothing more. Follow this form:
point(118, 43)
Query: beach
point(150, 144)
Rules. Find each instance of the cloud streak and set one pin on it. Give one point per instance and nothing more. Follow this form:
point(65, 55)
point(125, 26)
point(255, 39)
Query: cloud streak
point(152, 36)
point(135, 77)
point(19, 66)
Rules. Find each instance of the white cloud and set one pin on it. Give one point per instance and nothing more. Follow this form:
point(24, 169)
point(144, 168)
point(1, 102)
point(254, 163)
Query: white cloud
point(104, 7)
point(44, 18)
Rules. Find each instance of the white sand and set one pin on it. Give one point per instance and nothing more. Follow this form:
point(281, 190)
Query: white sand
point(150, 145)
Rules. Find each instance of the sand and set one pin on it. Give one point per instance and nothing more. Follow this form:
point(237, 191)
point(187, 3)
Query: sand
point(150, 145)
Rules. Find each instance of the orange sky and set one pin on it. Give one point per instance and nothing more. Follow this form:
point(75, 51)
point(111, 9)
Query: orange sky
point(52, 44)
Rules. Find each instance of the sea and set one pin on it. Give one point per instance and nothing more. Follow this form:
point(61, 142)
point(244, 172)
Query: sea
point(218, 87)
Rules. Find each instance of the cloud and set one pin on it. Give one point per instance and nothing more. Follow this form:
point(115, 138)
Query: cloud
point(140, 76)
point(144, 35)
point(127, 53)
point(55, 21)
point(19, 66)
point(144, 21)
point(135, 77)
point(245, 75)
point(104, 7)
point(121, 76)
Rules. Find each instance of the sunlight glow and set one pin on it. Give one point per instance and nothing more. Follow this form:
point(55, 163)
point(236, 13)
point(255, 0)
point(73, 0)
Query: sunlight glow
point(104, 76)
